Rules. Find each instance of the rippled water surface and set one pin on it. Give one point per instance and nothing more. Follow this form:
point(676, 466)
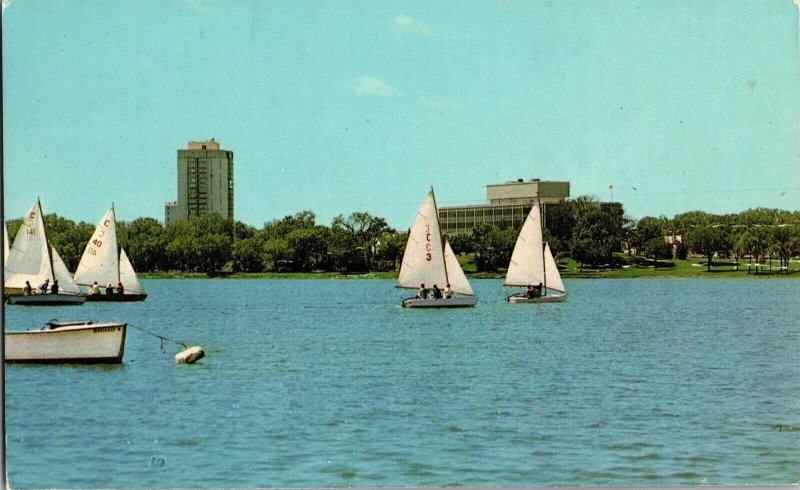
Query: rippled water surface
point(330, 383)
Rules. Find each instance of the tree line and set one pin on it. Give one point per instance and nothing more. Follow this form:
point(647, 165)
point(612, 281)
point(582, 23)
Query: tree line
point(583, 229)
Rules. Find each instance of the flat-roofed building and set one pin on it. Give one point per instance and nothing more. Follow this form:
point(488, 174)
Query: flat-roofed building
point(205, 182)
point(509, 204)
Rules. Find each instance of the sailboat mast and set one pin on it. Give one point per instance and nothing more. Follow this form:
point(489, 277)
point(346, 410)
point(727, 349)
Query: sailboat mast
point(114, 217)
point(46, 242)
point(441, 242)
point(544, 244)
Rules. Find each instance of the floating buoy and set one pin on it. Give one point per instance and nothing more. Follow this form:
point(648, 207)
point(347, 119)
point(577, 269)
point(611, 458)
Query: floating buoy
point(188, 356)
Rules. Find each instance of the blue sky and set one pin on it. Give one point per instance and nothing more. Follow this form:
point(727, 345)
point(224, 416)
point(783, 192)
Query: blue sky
point(346, 106)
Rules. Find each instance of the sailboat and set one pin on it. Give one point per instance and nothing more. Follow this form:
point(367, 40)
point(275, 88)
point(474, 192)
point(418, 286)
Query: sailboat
point(104, 263)
point(532, 265)
point(426, 262)
point(5, 243)
point(32, 260)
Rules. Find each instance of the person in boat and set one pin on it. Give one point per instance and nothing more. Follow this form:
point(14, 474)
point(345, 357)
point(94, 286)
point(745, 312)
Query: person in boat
point(448, 292)
point(120, 289)
point(437, 293)
point(27, 290)
point(109, 289)
point(529, 292)
point(43, 287)
point(95, 289)
point(54, 287)
point(539, 290)
point(423, 292)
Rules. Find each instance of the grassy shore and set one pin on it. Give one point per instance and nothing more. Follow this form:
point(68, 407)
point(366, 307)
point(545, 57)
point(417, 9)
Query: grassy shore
point(624, 267)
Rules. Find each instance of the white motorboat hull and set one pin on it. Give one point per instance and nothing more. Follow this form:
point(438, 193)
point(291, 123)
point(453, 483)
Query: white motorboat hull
point(80, 342)
point(547, 298)
point(454, 302)
point(57, 299)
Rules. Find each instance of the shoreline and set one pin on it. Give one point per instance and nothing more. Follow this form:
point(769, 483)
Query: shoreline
point(643, 273)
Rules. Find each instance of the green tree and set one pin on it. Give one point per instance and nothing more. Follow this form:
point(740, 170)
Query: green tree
point(593, 241)
point(146, 245)
point(358, 235)
point(201, 244)
point(706, 240)
point(493, 247)
point(391, 246)
point(247, 254)
point(68, 238)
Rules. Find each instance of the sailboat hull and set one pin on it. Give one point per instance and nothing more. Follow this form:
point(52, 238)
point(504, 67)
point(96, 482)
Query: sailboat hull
point(58, 299)
point(454, 302)
point(547, 298)
point(116, 297)
point(68, 342)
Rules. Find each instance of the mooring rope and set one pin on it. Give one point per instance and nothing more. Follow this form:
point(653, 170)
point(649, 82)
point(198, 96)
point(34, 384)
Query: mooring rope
point(160, 337)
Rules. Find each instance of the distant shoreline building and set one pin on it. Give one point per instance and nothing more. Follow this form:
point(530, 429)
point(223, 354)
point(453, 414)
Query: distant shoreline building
point(509, 204)
point(205, 182)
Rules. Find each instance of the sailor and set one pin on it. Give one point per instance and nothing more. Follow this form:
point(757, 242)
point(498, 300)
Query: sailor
point(95, 289)
point(27, 290)
point(437, 293)
point(120, 288)
point(44, 286)
point(54, 287)
point(423, 293)
point(448, 292)
point(109, 289)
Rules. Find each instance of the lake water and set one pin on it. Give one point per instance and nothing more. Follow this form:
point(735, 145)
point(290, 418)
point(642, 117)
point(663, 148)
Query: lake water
point(330, 383)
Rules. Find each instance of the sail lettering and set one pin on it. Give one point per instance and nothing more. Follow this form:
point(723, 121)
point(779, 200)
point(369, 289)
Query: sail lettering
point(428, 255)
point(98, 243)
point(91, 251)
point(31, 231)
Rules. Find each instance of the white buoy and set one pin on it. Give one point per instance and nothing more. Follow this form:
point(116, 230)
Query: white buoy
point(188, 356)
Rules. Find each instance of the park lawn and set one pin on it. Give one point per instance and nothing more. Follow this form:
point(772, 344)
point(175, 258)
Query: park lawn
point(624, 267)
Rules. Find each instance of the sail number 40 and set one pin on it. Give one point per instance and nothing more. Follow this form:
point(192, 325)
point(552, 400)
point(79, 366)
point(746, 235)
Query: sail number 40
point(91, 250)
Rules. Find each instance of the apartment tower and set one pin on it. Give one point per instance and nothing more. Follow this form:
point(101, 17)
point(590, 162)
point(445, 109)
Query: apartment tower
point(205, 182)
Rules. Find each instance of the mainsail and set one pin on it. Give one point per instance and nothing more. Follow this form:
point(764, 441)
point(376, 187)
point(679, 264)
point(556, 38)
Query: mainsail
point(5, 243)
point(532, 262)
point(104, 262)
point(527, 267)
point(29, 256)
point(99, 262)
point(423, 260)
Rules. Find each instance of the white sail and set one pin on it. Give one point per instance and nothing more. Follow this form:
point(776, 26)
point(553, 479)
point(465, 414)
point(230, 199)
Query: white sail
point(527, 267)
point(99, 262)
point(552, 276)
point(65, 282)
point(455, 274)
point(127, 275)
point(29, 257)
point(423, 260)
point(5, 243)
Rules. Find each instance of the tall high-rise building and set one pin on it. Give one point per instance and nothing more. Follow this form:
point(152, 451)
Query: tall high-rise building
point(205, 182)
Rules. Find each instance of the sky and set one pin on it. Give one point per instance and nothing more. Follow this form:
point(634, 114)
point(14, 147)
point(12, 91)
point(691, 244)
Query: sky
point(345, 106)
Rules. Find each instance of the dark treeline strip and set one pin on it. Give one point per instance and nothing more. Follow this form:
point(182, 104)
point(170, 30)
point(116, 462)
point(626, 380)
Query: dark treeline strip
point(581, 229)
